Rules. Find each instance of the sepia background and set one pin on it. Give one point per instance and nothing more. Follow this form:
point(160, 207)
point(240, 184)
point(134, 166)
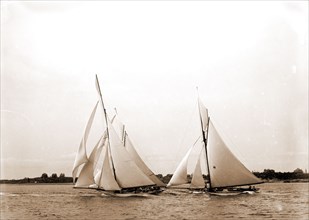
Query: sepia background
point(249, 60)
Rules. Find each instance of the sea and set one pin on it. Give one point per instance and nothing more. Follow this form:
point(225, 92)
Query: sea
point(50, 201)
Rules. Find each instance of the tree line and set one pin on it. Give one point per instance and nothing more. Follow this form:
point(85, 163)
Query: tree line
point(270, 174)
point(44, 178)
point(267, 174)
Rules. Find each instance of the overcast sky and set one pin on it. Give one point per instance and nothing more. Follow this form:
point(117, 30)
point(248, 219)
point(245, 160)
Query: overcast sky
point(249, 60)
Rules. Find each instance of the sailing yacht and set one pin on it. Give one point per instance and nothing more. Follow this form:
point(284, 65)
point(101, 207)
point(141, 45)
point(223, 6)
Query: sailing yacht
point(225, 171)
point(114, 165)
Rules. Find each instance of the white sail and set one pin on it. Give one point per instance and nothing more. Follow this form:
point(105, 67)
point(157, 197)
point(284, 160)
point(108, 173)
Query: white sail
point(180, 175)
point(128, 173)
point(225, 169)
point(81, 156)
point(122, 134)
point(86, 176)
point(139, 162)
point(203, 114)
point(107, 179)
point(97, 177)
point(197, 177)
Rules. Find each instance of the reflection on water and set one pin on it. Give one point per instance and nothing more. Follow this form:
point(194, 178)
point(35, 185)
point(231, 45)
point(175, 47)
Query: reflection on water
point(275, 201)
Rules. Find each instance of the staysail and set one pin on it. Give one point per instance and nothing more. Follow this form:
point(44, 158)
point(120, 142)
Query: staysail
point(197, 177)
point(180, 175)
point(81, 156)
point(86, 176)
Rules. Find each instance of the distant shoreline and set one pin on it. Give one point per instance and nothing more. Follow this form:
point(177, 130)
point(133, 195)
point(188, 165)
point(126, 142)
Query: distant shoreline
point(55, 183)
point(40, 180)
point(268, 176)
point(289, 181)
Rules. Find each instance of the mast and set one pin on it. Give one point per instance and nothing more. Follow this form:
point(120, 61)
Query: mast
point(205, 144)
point(107, 130)
point(124, 138)
point(205, 140)
point(123, 135)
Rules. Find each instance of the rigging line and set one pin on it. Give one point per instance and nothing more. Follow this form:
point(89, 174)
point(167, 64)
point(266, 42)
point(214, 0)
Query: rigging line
point(185, 132)
point(107, 128)
point(196, 140)
point(99, 153)
point(200, 153)
point(124, 133)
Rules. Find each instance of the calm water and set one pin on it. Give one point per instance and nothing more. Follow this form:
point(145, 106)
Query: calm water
point(275, 201)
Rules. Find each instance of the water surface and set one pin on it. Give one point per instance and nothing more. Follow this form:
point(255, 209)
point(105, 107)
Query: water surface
point(39, 201)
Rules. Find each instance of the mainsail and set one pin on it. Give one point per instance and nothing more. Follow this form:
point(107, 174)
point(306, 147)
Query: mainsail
point(197, 177)
point(225, 169)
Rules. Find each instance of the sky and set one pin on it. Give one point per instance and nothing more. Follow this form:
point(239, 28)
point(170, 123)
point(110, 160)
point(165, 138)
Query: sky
point(249, 60)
